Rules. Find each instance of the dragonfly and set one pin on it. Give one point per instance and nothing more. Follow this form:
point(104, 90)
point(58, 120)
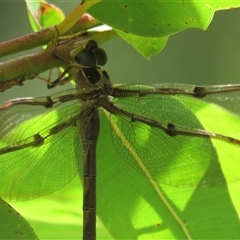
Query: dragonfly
point(175, 134)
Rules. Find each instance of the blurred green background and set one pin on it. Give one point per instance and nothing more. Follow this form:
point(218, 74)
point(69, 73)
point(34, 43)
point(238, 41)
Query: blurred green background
point(192, 56)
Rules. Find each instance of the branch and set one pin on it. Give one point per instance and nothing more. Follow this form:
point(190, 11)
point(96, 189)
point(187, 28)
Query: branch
point(16, 71)
point(42, 37)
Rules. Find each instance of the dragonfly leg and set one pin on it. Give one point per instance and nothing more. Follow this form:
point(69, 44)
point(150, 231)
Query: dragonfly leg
point(61, 80)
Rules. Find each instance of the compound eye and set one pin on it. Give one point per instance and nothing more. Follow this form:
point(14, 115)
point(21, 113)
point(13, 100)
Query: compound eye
point(101, 57)
point(85, 59)
point(92, 75)
point(91, 46)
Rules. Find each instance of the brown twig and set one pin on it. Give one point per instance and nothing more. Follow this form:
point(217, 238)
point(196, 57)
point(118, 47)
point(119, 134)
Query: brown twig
point(16, 71)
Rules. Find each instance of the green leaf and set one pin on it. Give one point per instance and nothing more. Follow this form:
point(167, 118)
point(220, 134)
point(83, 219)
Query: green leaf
point(149, 210)
point(58, 215)
point(147, 46)
point(227, 153)
point(145, 25)
point(156, 18)
point(129, 200)
point(13, 225)
point(42, 14)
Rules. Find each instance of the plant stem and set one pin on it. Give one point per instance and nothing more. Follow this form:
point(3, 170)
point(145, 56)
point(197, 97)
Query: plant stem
point(42, 37)
point(16, 71)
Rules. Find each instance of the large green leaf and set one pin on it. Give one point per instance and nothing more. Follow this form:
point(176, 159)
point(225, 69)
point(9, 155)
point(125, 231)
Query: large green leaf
point(149, 210)
point(127, 199)
point(58, 215)
point(145, 25)
point(13, 225)
point(156, 19)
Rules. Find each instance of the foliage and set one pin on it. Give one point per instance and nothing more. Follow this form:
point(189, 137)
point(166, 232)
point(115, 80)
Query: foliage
point(126, 200)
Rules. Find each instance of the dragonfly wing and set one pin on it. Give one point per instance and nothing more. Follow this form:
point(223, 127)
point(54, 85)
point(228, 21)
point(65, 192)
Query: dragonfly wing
point(44, 160)
point(19, 111)
point(180, 160)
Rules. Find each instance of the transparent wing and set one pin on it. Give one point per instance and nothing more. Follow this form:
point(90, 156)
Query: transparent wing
point(181, 160)
point(31, 168)
point(16, 111)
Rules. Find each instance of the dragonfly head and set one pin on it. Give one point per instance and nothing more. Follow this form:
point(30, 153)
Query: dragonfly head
point(90, 56)
point(91, 78)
